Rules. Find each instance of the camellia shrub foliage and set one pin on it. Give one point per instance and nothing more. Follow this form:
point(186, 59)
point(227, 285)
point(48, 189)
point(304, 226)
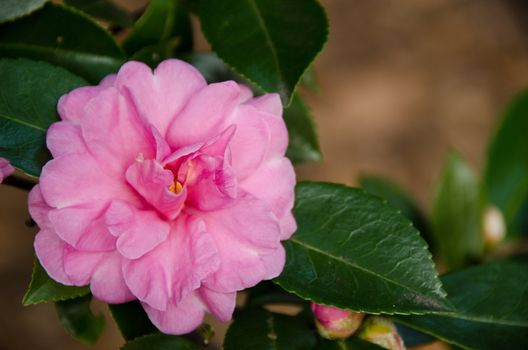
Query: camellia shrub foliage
point(162, 183)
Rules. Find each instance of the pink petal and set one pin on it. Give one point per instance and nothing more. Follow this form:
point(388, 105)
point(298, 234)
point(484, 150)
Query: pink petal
point(38, 208)
point(274, 183)
point(274, 262)
point(175, 267)
point(159, 97)
point(139, 231)
point(71, 223)
point(65, 138)
point(243, 233)
point(50, 252)
point(5, 169)
point(206, 115)
point(107, 283)
point(113, 133)
point(71, 106)
point(269, 103)
point(152, 182)
point(219, 304)
point(178, 318)
point(80, 265)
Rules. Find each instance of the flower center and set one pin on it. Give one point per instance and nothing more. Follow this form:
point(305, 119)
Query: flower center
point(176, 187)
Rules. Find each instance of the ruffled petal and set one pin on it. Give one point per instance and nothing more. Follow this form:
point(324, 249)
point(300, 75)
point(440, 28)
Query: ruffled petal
point(219, 304)
point(178, 318)
point(175, 267)
point(6, 169)
point(65, 138)
point(107, 283)
point(71, 106)
point(161, 95)
point(38, 208)
point(269, 103)
point(50, 252)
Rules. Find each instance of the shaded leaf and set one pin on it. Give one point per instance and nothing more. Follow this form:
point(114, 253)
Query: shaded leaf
point(256, 329)
point(491, 307)
point(267, 292)
point(260, 42)
point(159, 342)
point(79, 320)
point(65, 37)
point(12, 9)
point(353, 251)
point(164, 25)
point(132, 320)
point(303, 144)
point(506, 170)
point(352, 343)
point(29, 94)
point(43, 289)
point(456, 215)
point(103, 9)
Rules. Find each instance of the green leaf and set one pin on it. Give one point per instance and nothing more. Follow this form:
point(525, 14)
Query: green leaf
point(43, 289)
point(65, 37)
point(103, 9)
point(12, 9)
point(354, 251)
point(506, 170)
point(256, 329)
point(79, 320)
point(352, 343)
point(212, 68)
point(309, 80)
point(270, 42)
point(491, 307)
point(267, 292)
point(132, 320)
point(164, 24)
point(456, 215)
point(303, 144)
point(399, 199)
point(29, 92)
point(159, 342)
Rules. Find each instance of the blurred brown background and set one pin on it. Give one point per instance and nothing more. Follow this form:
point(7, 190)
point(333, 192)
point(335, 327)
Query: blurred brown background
point(401, 82)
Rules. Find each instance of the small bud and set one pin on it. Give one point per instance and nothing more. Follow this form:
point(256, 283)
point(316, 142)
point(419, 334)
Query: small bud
point(381, 331)
point(334, 323)
point(493, 226)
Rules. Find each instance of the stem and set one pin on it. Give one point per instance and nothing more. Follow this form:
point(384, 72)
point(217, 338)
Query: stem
point(19, 182)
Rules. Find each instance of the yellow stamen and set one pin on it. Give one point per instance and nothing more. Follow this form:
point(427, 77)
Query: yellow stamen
point(176, 187)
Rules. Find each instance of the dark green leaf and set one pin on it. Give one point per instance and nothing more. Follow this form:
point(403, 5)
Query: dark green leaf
point(399, 199)
point(506, 171)
point(303, 145)
point(65, 37)
point(43, 289)
point(256, 329)
point(411, 337)
point(79, 320)
point(354, 251)
point(309, 80)
point(352, 343)
point(132, 320)
point(29, 94)
point(159, 342)
point(491, 307)
point(164, 24)
point(12, 9)
point(267, 292)
point(105, 10)
point(457, 213)
point(270, 42)
point(212, 68)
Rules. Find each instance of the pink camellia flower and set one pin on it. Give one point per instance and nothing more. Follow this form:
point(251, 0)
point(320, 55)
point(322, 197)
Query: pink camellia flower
point(334, 323)
point(5, 169)
point(167, 190)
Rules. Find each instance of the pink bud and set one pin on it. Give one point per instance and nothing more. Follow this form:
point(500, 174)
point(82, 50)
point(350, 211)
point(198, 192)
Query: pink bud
point(381, 331)
point(334, 323)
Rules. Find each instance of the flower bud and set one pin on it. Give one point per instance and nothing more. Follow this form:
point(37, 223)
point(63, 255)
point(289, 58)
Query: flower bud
point(334, 323)
point(381, 331)
point(493, 227)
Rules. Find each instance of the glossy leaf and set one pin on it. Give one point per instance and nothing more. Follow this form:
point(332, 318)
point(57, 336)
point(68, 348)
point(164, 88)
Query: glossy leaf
point(256, 329)
point(132, 320)
point(270, 42)
point(159, 342)
point(212, 68)
point(303, 144)
point(267, 292)
point(456, 215)
point(352, 343)
point(64, 37)
point(506, 170)
point(78, 319)
point(29, 94)
point(354, 251)
point(43, 289)
point(12, 9)
point(399, 199)
point(165, 24)
point(491, 307)
point(103, 9)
